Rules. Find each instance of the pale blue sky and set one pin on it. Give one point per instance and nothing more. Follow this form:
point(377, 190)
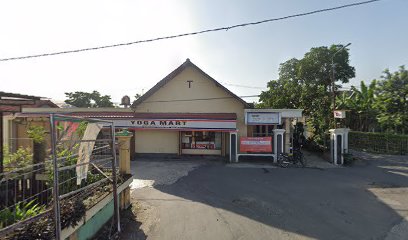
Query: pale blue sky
point(244, 56)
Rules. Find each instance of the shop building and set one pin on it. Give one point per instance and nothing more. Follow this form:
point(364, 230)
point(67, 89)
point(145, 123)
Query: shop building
point(189, 113)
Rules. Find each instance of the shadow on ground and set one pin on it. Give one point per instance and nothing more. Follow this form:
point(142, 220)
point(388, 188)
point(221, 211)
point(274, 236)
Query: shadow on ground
point(130, 228)
point(337, 203)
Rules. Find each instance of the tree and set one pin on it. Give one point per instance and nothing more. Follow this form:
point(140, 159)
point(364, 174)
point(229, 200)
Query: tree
point(84, 99)
point(78, 99)
point(101, 101)
point(392, 101)
point(360, 104)
point(306, 83)
point(284, 92)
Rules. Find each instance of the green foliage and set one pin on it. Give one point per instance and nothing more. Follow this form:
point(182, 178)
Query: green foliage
point(348, 159)
point(79, 99)
point(66, 177)
point(298, 135)
point(72, 211)
point(306, 84)
point(81, 129)
point(381, 106)
point(361, 115)
point(21, 158)
point(37, 133)
point(284, 92)
point(87, 100)
point(385, 143)
point(20, 212)
point(392, 101)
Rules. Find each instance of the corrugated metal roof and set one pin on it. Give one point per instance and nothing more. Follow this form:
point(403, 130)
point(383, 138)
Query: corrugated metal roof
point(20, 96)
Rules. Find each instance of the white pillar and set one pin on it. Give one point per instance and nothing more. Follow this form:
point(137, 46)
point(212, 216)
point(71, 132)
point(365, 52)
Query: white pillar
point(333, 146)
point(289, 134)
point(343, 132)
point(345, 136)
point(233, 156)
point(276, 133)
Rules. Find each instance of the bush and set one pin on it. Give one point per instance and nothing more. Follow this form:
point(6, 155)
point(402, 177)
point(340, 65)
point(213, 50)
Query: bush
point(20, 212)
point(21, 158)
point(37, 133)
point(312, 146)
point(379, 142)
point(348, 159)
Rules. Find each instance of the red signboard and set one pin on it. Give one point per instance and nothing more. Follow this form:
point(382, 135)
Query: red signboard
point(256, 144)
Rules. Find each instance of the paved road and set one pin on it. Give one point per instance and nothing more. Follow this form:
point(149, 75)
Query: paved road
point(217, 201)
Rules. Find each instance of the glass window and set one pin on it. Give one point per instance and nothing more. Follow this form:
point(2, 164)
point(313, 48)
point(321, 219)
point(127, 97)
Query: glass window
point(201, 140)
point(263, 130)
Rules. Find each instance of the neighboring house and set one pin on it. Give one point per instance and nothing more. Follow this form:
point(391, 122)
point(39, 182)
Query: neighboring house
point(15, 130)
point(11, 103)
point(187, 112)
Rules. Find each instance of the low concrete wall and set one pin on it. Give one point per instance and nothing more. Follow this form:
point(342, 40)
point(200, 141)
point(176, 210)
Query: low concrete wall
point(94, 218)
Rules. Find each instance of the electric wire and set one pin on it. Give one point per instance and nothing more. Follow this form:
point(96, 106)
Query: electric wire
point(241, 86)
point(189, 33)
point(197, 99)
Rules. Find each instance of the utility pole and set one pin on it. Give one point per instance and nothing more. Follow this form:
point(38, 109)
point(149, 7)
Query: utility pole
point(334, 83)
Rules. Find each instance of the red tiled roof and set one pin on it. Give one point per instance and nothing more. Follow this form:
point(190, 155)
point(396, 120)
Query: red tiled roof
point(131, 115)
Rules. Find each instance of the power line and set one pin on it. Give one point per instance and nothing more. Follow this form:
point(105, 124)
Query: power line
point(190, 33)
point(198, 99)
point(242, 86)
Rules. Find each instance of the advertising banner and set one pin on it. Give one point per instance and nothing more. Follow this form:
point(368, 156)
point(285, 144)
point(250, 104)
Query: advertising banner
point(85, 150)
point(262, 118)
point(256, 144)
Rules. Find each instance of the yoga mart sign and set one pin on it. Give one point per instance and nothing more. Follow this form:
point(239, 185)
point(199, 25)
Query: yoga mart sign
point(177, 124)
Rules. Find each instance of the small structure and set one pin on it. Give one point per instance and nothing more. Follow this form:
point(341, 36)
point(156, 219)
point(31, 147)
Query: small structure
point(12, 103)
point(270, 127)
point(338, 144)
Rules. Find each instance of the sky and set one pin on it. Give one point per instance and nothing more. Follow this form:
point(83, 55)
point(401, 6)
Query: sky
point(243, 59)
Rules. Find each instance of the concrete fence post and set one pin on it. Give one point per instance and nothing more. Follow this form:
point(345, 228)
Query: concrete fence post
point(338, 144)
point(278, 142)
point(124, 165)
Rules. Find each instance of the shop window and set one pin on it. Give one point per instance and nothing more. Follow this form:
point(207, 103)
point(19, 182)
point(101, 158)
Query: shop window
point(262, 130)
point(201, 140)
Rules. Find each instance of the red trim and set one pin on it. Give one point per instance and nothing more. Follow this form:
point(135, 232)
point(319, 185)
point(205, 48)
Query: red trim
point(183, 129)
point(189, 120)
point(144, 116)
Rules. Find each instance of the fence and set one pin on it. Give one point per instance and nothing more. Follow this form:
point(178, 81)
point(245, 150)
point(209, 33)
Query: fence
point(379, 142)
point(54, 192)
